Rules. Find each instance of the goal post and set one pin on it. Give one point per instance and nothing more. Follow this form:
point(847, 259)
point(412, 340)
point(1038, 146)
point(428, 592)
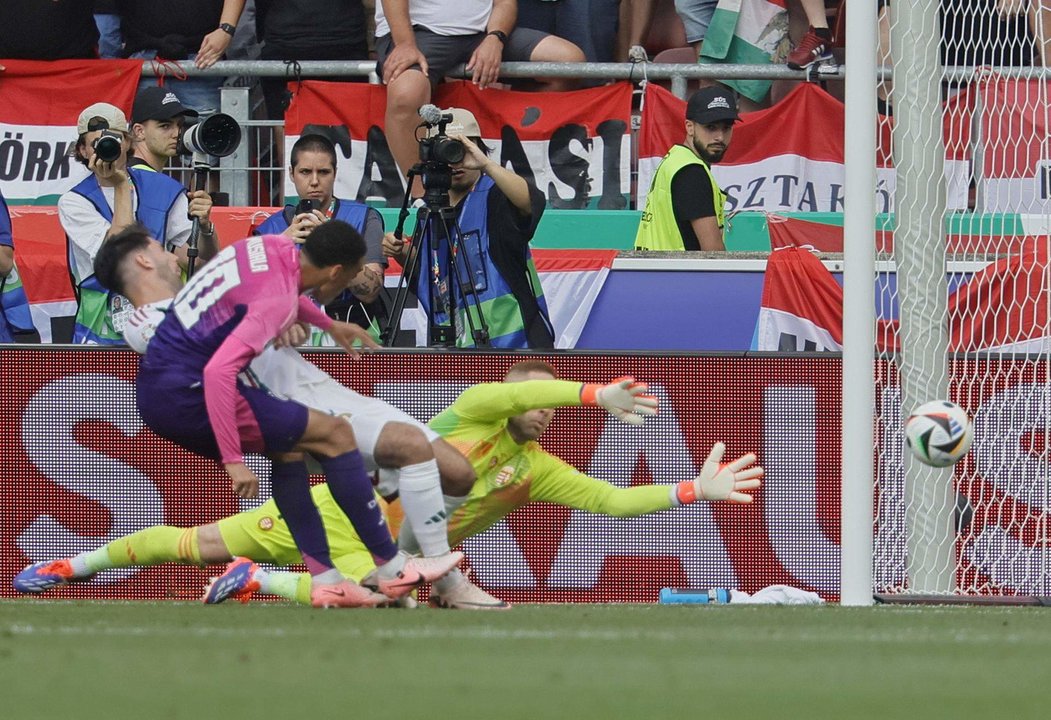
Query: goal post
point(958, 309)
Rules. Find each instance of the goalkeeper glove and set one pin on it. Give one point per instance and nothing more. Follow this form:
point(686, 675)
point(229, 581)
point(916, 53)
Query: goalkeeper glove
point(722, 482)
point(623, 398)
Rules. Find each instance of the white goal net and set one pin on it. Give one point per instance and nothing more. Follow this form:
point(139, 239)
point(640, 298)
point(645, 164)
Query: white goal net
point(962, 299)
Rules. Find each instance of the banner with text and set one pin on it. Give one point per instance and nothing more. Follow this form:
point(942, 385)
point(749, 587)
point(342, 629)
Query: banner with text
point(789, 157)
point(575, 146)
point(38, 120)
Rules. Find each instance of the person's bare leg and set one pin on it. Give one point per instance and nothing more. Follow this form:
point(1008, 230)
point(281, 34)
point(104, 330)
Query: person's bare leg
point(405, 95)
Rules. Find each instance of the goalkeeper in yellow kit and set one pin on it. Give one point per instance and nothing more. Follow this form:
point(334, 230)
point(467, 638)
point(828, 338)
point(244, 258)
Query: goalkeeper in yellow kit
point(496, 426)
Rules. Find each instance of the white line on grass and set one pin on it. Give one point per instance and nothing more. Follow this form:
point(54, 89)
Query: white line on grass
point(912, 636)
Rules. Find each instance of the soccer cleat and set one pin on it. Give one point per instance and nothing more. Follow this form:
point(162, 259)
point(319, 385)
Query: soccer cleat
point(42, 576)
point(417, 571)
point(237, 582)
point(345, 594)
point(812, 49)
point(467, 596)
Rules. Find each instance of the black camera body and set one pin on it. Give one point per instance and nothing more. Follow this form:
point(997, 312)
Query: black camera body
point(441, 149)
point(108, 146)
point(306, 205)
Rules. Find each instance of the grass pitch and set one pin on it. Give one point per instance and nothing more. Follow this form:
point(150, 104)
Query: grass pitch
point(115, 660)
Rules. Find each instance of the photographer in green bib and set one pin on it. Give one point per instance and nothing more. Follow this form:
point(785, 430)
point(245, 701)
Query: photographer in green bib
point(685, 206)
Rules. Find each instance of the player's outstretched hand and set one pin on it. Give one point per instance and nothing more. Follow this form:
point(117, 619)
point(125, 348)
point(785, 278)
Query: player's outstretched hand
point(727, 482)
point(624, 398)
point(243, 480)
point(352, 338)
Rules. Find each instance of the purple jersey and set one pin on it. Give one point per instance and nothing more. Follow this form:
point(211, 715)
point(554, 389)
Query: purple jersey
point(228, 312)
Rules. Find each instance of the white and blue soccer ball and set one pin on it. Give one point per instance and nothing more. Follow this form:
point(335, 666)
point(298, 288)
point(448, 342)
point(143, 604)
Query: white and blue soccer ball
point(939, 433)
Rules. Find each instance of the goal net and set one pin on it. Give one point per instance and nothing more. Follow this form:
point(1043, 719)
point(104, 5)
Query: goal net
point(962, 298)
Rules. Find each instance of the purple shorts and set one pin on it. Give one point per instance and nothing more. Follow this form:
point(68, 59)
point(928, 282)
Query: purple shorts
point(172, 404)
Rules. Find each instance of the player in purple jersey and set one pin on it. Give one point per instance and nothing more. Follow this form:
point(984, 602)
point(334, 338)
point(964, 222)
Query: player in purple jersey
point(189, 391)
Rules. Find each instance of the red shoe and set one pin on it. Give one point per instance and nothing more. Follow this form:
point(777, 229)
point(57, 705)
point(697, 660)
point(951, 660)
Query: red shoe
point(812, 49)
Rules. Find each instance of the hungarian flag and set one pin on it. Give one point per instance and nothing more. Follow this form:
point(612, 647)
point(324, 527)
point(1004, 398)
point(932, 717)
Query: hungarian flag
point(1015, 174)
point(747, 32)
point(574, 146)
point(789, 158)
point(38, 121)
point(1001, 308)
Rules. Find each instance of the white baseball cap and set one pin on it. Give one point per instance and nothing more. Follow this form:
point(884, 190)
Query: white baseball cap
point(111, 114)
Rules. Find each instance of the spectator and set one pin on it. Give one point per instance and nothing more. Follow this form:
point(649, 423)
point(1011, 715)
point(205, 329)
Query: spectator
point(307, 30)
point(696, 16)
point(197, 30)
point(111, 42)
point(109, 200)
point(591, 25)
point(684, 208)
point(814, 47)
point(14, 307)
point(157, 119)
point(44, 30)
point(313, 172)
point(497, 213)
point(636, 17)
point(419, 41)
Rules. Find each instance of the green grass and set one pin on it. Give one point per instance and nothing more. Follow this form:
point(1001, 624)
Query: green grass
point(182, 660)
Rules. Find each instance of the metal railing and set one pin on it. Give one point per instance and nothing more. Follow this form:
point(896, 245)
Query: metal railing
point(253, 174)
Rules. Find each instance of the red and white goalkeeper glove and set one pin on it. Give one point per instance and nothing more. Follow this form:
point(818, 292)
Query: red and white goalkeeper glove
point(722, 482)
point(624, 398)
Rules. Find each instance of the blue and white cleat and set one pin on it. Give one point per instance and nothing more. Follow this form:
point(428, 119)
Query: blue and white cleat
point(238, 582)
point(42, 576)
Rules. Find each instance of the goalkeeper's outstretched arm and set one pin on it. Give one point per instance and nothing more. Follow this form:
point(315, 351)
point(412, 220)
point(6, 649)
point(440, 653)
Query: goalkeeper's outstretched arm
point(562, 484)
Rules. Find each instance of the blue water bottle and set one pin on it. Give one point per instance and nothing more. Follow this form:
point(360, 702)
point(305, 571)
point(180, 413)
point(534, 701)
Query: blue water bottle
point(686, 596)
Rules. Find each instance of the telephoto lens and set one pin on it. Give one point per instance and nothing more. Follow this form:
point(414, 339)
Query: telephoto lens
point(108, 146)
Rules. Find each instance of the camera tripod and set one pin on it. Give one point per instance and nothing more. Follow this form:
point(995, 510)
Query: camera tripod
point(450, 288)
point(201, 169)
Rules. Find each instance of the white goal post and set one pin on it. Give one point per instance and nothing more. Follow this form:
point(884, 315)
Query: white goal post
point(966, 295)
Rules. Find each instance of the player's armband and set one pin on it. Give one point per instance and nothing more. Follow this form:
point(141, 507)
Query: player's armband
point(141, 326)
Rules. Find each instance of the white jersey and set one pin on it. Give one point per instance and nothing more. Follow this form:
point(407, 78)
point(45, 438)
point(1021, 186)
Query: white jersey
point(288, 375)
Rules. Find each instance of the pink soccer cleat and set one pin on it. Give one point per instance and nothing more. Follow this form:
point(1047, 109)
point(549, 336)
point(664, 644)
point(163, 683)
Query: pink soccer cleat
point(345, 594)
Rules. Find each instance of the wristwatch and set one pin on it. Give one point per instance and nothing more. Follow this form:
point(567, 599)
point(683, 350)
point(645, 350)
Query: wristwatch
point(227, 28)
point(500, 35)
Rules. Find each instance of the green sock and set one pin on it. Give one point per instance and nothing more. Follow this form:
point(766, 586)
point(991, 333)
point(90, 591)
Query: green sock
point(291, 586)
point(152, 546)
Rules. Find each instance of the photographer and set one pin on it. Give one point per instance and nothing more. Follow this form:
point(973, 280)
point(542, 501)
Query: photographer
point(313, 171)
point(109, 200)
point(157, 120)
point(497, 214)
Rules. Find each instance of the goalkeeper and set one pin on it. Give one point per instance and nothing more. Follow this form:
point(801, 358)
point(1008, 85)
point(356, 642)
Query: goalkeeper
point(495, 425)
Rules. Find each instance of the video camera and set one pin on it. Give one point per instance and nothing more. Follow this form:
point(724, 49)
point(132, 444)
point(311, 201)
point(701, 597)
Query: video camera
point(440, 148)
point(217, 135)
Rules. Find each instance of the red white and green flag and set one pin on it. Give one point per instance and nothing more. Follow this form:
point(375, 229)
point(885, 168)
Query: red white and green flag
point(39, 105)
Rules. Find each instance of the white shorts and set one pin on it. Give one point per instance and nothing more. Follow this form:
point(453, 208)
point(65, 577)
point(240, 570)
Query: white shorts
point(287, 374)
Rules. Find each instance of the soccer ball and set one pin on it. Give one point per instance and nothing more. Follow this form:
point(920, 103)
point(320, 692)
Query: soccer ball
point(939, 433)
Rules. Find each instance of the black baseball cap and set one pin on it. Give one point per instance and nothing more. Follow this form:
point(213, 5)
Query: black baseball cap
point(712, 104)
point(157, 103)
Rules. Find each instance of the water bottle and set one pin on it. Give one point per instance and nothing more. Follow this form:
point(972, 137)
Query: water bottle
point(713, 596)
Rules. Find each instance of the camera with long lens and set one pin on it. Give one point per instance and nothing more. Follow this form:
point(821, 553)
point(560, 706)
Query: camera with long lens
point(217, 135)
point(108, 146)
